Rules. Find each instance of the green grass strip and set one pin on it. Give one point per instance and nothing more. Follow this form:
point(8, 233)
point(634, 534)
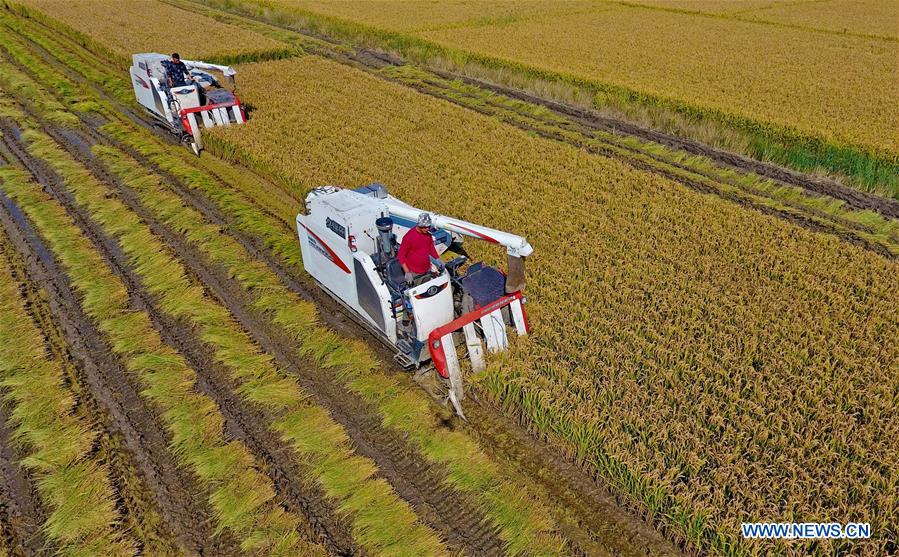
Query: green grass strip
point(242, 498)
point(523, 523)
point(75, 487)
point(381, 522)
point(865, 224)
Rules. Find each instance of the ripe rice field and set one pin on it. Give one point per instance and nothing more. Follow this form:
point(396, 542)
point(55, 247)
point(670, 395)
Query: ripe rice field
point(719, 307)
point(153, 26)
point(702, 359)
point(839, 87)
point(811, 87)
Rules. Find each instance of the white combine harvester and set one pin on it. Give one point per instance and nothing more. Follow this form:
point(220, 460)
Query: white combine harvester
point(349, 240)
point(183, 109)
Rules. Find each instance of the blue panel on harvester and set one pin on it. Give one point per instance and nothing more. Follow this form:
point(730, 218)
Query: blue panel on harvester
point(375, 190)
point(484, 284)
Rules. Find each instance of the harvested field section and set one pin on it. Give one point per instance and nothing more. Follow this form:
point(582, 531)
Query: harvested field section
point(153, 26)
point(240, 495)
point(162, 506)
point(690, 298)
point(378, 518)
point(82, 516)
point(842, 88)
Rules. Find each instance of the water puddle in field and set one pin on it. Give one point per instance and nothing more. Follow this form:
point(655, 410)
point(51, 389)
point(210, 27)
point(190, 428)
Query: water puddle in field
point(19, 217)
point(15, 131)
point(75, 139)
point(93, 120)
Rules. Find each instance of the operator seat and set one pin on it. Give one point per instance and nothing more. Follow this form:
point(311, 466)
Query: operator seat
point(396, 277)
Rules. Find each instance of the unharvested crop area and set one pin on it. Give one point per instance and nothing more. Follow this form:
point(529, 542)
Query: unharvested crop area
point(153, 26)
point(686, 348)
point(811, 87)
point(705, 362)
point(838, 86)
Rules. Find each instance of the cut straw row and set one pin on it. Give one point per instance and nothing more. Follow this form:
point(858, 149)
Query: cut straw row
point(382, 523)
point(241, 497)
point(74, 486)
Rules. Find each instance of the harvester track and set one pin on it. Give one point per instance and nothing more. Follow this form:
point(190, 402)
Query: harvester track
point(179, 496)
point(241, 422)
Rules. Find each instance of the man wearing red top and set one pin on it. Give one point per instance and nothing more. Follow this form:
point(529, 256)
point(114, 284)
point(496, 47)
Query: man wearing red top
point(416, 251)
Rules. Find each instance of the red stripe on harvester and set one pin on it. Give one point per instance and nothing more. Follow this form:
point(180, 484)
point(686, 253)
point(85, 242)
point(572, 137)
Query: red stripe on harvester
point(335, 259)
point(478, 234)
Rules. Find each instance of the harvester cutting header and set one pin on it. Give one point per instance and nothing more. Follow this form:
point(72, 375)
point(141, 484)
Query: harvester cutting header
point(183, 96)
point(350, 241)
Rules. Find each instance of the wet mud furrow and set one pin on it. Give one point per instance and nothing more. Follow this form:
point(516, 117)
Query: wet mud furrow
point(21, 513)
point(455, 516)
point(177, 494)
point(241, 423)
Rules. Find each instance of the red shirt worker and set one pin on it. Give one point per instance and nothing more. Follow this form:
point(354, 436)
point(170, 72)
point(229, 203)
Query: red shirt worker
point(416, 251)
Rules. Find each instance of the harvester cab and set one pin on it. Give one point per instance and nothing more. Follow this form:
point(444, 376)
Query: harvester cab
point(185, 109)
point(349, 241)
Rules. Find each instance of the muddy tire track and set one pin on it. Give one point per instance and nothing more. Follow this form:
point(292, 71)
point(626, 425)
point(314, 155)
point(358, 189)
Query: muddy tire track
point(178, 494)
point(21, 511)
point(241, 422)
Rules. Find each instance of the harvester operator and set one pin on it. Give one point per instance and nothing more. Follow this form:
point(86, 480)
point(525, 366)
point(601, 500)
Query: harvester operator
point(177, 73)
point(417, 252)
